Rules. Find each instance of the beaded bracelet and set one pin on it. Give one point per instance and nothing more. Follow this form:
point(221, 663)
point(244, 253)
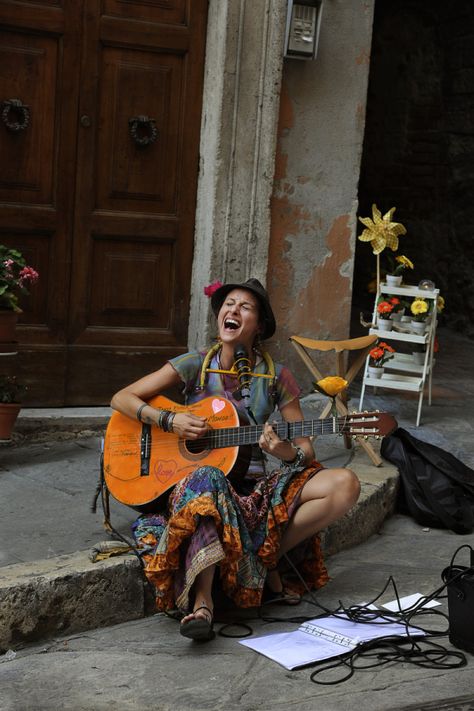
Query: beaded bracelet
point(297, 462)
point(170, 422)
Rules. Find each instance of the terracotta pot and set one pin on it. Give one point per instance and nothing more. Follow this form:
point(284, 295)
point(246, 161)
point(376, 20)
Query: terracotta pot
point(8, 321)
point(8, 414)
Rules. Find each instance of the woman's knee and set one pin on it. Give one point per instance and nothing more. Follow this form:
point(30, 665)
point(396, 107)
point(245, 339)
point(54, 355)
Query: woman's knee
point(347, 484)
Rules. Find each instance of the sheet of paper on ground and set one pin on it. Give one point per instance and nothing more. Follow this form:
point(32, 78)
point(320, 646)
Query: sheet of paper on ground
point(323, 638)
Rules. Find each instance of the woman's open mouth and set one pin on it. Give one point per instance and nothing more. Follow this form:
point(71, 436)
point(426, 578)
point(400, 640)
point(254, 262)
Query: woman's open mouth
point(230, 324)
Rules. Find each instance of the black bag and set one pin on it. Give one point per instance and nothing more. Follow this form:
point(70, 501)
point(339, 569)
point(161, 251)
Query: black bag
point(435, 488)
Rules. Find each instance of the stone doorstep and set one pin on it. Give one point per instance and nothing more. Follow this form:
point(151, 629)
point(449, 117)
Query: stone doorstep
point(38, 424)
point(69, 594)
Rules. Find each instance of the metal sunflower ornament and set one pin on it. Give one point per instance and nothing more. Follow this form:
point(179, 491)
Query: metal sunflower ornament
point(381, 232)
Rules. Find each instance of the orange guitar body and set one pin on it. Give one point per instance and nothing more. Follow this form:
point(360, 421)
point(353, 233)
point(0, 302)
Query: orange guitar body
point(137, 481)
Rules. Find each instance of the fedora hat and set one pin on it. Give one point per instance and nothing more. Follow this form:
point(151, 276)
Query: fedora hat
point(256, 288)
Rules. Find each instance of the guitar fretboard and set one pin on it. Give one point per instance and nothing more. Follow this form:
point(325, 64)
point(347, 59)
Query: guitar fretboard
point(250, 434)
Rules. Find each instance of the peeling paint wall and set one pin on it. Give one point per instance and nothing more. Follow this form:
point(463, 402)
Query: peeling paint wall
point(314, 202)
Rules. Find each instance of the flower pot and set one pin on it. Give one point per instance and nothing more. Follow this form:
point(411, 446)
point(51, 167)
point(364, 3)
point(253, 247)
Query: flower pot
point(397, 317)
point(375, 372)
point(8, 321)
point(418, 357)
point(8, 414)
point(384, 324)
point(393, 280)
point(418, 327)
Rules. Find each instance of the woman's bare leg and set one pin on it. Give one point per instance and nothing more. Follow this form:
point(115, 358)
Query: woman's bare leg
point(324, 498)
point(202, 594)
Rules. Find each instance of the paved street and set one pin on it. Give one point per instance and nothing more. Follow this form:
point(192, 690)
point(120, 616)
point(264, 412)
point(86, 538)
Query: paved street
point(147, 664)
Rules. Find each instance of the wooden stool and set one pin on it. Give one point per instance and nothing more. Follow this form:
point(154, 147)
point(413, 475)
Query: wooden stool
point(341, 349)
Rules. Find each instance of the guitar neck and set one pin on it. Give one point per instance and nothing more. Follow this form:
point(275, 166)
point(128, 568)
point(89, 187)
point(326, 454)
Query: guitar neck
point(250, 434)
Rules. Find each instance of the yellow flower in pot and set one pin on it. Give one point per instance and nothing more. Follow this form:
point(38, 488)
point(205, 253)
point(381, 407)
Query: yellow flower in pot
point(420, 310)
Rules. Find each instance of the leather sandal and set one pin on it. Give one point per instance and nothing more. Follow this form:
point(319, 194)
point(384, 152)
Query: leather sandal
point(282, 597)
point(199, 628)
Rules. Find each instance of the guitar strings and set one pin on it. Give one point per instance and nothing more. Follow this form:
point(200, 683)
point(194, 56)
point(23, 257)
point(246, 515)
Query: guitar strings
point(248, 434)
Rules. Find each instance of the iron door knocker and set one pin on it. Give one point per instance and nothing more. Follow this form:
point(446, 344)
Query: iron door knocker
point(15, 108)
point(143, 130)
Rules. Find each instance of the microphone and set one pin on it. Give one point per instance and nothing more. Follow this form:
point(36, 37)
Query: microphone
point(242, 365)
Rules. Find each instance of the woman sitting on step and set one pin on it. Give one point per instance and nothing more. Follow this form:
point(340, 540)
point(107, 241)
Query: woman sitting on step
point(239, 529)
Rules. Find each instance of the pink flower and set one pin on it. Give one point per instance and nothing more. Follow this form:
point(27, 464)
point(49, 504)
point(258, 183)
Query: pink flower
point(211, 288)
point(28, 274)
point(8, 264)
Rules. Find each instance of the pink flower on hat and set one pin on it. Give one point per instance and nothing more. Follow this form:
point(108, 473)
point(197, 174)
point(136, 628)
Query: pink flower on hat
point(211, 288)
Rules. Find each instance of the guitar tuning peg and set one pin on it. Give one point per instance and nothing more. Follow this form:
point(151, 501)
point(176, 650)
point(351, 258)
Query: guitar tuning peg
point(366, 412)
point(377, 411)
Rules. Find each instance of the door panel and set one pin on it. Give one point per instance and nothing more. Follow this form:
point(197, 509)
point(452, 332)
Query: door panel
point(28, 68)
point(38, 65)
point(108, 222)
point(134, 177)
point(169, 11)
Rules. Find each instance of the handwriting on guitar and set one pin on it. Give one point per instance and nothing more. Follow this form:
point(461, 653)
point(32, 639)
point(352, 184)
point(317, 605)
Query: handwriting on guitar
point(219, 418)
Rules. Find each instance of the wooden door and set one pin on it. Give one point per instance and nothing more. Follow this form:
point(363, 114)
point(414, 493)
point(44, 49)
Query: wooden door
point(124, 92)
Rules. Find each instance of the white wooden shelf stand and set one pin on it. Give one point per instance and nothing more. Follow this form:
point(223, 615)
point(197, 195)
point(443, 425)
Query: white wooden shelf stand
point(402, 372)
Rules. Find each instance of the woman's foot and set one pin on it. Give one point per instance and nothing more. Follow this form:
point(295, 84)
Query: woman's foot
point(198, 625)
point(275, 592)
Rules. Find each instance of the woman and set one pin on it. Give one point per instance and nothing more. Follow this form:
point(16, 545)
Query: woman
point(241, 527)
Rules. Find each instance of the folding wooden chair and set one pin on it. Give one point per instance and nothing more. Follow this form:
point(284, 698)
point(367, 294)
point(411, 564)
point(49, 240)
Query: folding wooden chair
point(341, 350)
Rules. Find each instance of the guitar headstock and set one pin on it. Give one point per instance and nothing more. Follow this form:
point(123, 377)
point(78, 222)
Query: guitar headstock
point(368, 424)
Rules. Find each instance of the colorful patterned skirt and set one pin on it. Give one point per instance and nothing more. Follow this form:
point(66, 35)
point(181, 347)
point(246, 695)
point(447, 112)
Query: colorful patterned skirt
point(207, 522)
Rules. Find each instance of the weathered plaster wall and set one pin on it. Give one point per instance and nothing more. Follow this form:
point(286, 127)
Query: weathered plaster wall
point(314, 202)
point(242, 80)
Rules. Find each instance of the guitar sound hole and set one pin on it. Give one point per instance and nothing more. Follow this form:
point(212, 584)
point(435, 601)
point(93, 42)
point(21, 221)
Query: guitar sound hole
point(196, 446)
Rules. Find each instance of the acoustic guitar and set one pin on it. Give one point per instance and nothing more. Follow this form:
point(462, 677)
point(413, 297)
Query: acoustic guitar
point(141, 462)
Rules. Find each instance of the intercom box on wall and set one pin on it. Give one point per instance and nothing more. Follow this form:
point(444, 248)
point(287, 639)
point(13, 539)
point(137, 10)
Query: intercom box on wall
point(303, 22)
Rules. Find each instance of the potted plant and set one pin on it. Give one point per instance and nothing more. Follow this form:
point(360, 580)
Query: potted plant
point(378, 356)
point(398, 308)
point(420, 309)
point(397, 267)
point(384, 311)
point(15, 276)
point(10, 405)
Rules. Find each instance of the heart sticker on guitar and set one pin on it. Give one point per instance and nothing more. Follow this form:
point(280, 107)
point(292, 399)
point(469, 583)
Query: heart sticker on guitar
point(217, 406)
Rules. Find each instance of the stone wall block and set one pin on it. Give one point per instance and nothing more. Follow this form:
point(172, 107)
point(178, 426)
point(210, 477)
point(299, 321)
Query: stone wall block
point(67, 594)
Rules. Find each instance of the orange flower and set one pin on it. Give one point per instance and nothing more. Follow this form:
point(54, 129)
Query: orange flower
point(386, 347)
point(376, 353)
point(385, 307)
point(380, 354)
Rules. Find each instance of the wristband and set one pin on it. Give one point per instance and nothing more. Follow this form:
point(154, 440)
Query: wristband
point(139, 411)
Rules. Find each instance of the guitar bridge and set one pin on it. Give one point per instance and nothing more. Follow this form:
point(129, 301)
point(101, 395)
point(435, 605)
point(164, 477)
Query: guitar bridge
point(145, 450)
